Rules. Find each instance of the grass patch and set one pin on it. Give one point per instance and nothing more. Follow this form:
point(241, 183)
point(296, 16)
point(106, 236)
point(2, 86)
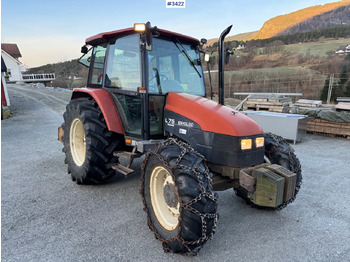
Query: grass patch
point(322, 48)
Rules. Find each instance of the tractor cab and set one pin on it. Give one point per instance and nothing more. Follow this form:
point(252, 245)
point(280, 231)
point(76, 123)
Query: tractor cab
point(139, 67)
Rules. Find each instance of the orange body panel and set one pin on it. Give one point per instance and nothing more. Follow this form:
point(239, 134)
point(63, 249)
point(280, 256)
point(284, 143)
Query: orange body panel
point(211, 116)
point(106, 104)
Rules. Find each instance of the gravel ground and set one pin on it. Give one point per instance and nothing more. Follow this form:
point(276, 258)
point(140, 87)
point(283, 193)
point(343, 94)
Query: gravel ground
point(47, 217)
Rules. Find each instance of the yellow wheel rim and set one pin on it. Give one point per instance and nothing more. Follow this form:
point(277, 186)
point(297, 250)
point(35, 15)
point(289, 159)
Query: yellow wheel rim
point(164, 199)
point(77, 142)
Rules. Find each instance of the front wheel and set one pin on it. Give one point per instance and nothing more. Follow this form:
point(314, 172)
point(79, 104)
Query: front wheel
point(178, 197)
point(277, 151)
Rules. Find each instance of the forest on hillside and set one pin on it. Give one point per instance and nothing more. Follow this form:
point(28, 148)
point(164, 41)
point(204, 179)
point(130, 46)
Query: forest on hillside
point(66, 73)
point(297, 63)
point(304, 37)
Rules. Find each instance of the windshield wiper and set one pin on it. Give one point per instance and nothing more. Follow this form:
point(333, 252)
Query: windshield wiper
point(184, 52)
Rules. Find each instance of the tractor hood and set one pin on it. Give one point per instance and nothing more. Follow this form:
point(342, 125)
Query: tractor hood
point(209, 116)
point(213, 130)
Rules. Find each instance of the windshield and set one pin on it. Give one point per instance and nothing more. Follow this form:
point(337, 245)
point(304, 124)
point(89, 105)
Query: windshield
point(174, 67)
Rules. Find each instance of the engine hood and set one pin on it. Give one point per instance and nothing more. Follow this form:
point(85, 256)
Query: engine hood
point(210, 116)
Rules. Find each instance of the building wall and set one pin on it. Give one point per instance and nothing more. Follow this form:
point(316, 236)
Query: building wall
point(5, 101)
point(13, 67)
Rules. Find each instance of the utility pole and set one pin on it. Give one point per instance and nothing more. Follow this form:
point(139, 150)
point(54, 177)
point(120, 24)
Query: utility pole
point(330, 87)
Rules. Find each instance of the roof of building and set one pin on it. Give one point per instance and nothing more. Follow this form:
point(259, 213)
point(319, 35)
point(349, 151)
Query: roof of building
point(11, 49)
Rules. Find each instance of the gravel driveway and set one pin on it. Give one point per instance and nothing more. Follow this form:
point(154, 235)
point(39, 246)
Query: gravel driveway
point(47, 217)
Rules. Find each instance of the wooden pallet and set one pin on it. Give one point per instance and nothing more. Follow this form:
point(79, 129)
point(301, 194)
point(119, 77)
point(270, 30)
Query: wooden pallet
point(343, 106)
point(279, 109)
point(328, 128)
point(272, 104)
point(308, 103)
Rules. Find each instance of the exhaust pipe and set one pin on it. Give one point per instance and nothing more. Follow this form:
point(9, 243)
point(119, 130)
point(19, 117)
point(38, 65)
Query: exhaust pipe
point(221, 64)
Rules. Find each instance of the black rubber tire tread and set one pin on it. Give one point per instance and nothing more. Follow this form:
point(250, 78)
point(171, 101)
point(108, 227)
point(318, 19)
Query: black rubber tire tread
point(100, 142)
point(190, 224)
point(278, 151)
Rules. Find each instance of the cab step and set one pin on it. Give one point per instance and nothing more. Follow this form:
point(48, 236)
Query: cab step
point(122, 169)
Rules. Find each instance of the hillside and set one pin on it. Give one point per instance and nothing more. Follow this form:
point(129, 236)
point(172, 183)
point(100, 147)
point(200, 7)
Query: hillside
point(293, 68)
point(238, 37)
point(331, 19)
point(281, 23)
point(65, 72)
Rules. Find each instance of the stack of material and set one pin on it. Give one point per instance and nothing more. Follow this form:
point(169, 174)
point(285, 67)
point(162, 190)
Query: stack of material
point(308, 103)
point(343, 106)
point(326, 121)
point(329, 128)
point(277, 103)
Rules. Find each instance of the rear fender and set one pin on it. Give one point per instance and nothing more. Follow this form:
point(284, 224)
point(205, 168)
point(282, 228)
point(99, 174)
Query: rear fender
point(106, 104)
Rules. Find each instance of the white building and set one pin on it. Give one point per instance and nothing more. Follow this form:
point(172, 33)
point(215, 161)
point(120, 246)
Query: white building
point(347, 49)
point(10, 53)
point(343, 49)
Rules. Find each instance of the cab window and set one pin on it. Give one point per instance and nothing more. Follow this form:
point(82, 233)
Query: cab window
point(99, 54)
point(174, 67)
point(124, 64)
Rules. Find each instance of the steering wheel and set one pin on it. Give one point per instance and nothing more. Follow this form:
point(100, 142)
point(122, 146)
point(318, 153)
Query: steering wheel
point(154, 87)
point(162, 77)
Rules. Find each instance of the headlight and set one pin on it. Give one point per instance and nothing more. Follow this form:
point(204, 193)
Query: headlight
point(246, 144)
point(259, 142)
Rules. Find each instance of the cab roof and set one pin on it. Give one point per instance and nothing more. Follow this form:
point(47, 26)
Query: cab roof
point(103, 37)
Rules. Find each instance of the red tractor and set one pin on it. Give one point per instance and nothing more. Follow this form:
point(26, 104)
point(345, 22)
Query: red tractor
point(145, 95)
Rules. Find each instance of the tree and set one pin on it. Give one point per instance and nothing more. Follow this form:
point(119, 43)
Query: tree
point(343, 79)
point(347, 90)
point(324, 92)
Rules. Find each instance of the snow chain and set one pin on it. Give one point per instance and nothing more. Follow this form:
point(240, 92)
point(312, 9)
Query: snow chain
point(185, 148)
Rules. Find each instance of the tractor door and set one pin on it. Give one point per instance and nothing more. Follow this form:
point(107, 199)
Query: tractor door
point(125, 73)
point(123, 77)
point(172, 67)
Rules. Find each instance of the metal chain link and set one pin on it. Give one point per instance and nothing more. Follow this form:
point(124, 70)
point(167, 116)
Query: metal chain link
point(185, 149)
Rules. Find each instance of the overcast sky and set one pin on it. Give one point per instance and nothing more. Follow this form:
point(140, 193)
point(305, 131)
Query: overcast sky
point(53, 31)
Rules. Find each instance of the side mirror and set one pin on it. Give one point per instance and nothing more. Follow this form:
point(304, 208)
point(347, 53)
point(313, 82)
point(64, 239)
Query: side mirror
point(148, 34)
point(227, 56)
point(84, 49)
point(204, 41)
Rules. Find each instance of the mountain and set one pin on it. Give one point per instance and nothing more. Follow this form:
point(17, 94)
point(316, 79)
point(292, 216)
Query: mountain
point(279, 24)
point(331, 19)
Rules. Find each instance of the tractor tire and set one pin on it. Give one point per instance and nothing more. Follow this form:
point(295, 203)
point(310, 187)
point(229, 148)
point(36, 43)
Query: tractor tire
point(277, 151)
point(178, 197)
point(88, 144)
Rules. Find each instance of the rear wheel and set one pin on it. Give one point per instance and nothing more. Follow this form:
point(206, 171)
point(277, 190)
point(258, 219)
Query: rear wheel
point(178, 197)
point(88, 144)
point(277, 151)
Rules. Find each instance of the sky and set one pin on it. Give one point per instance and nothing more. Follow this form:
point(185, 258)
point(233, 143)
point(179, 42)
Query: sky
point(54, 31)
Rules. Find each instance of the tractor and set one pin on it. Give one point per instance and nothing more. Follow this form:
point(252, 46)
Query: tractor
point(146, 97)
